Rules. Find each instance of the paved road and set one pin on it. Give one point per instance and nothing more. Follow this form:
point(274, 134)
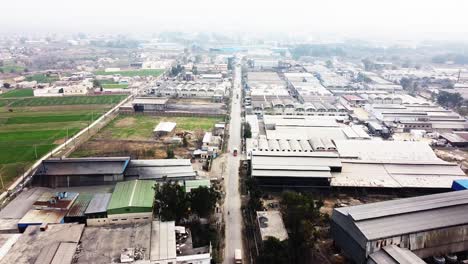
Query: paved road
point(233, 202)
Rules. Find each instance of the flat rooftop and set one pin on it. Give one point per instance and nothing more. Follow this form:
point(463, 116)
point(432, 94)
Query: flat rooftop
point(83, 166)
point(104, 244)
point(57, 244)
point(271, 225)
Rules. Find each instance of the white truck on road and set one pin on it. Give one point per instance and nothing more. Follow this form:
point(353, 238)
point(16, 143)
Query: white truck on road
point(238, 256)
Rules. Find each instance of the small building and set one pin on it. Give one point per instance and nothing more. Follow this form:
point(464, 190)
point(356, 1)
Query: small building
point(96, 212)
point(270, 224)
point(219, 129)
point(131, 202)
point(454, 140)
point(149, 104)
point(426, 225)
point(164, 129)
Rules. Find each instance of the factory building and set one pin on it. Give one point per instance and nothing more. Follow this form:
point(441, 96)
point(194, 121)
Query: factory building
point(430, 225)
point(71, 172)
point(131, 202)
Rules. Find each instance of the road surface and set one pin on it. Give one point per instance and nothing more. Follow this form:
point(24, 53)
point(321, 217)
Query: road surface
point(232, 202)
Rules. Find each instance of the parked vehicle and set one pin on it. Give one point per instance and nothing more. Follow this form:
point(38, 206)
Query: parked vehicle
point(234, 152)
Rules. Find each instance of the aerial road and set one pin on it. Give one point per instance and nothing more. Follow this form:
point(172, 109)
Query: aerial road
point(232, 206)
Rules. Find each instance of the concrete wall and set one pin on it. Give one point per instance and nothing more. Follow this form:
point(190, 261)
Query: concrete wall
point(130, 218)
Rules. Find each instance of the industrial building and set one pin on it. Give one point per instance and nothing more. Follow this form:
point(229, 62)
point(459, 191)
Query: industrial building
point(426, 225)
point(131, 202)
point(70, 172)
point(145, 104)
point(80, 171)
point(183, 89)
point(394, 255)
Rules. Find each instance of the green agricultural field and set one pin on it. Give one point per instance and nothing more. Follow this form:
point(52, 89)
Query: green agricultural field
point(115, 86)
point(41, 78)
point(28, 128)
point(141, 127)
point(69, 100)
point(11, 69)
point(18, 93)
point(132, 73)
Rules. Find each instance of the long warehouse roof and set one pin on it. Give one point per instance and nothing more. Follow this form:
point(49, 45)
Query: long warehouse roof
point(137, 193)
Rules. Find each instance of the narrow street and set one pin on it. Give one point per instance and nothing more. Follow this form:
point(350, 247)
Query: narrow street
point(232, 206)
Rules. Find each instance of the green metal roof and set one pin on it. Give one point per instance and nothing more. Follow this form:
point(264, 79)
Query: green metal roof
point(193, 184)
point(135, 193)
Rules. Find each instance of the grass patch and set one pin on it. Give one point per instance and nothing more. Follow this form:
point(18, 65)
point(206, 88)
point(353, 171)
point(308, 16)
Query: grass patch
point(41, 78)
point(115, 86)
point(69, 100)
point(18, 93)
point(51, 118)
point(132, 73)
point(20, 138)
point(141, 126)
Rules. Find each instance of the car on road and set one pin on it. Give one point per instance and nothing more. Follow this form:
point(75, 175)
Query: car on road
point(234, 152)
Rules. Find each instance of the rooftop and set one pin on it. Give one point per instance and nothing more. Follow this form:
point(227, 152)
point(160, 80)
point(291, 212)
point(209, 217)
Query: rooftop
point(403, 216)
point(57, 244)
point(165, 127)
point(163, 241)
point(271, 225)
point(395, 255)
point(150, 100)
point(136, 193)
point(83, 166)
point(98, 203)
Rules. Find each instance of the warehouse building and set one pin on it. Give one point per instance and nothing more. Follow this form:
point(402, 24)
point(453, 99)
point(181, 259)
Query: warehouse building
point(160, 170)
point(71, 172)
point(426, 225)
point(131, 202)
point(293, 169)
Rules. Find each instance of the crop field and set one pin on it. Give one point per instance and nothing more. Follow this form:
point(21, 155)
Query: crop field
point(68, 100)
point(31, 127)
point(17, 93)
point(132, 73)
point(11, 69)
point(114, 86)
point(41, 78)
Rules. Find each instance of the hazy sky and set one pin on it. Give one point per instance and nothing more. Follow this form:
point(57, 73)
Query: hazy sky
point(374, 17)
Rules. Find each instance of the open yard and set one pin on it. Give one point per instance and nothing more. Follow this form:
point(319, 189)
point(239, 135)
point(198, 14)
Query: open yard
point(31, 127)
point(132, 73)
point(133, 136)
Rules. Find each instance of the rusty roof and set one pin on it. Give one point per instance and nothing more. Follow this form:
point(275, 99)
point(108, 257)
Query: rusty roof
point(79, 206)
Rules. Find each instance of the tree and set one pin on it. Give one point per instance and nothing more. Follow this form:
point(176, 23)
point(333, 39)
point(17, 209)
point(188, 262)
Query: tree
point(203, 200)
point(96, 84)
point(329, 64)
point(274, 252)
point(170, 202)
point(301, 213)
point(447, 99)
point(6, 85)
point(247, 130)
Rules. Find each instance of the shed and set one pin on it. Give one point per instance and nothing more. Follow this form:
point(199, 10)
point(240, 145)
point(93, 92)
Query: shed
point(97, 207)
point(132, 197)
point(164, 129)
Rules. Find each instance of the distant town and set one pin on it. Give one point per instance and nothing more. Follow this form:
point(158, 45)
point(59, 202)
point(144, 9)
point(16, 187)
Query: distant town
point(207, 148)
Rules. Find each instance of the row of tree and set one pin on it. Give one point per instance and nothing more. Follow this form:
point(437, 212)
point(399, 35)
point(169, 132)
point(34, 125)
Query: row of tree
point(172, 203)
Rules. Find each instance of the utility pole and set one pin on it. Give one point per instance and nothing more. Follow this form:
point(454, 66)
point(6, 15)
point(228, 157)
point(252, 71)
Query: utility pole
point(35, 151)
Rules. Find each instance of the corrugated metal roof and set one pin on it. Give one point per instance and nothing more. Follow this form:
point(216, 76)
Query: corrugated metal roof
point(98, 203)
point(405, 216)
point(42, 216)
point(192, 184)
point(137, 193)
point(83, 166)
point(292, 174)
point(79, 206)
